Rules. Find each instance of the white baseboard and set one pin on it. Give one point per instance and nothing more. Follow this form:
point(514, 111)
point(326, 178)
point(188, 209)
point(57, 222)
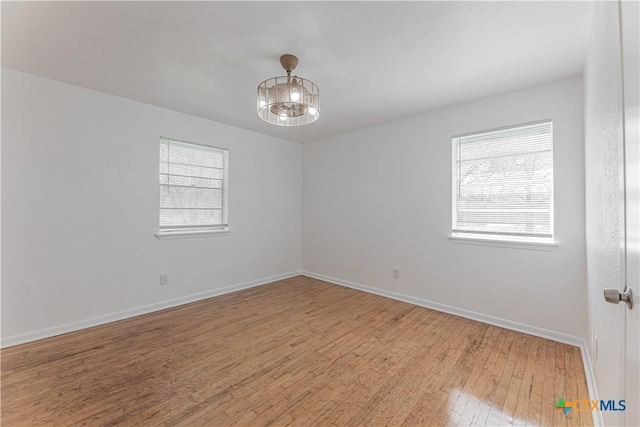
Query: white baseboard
point(591, 382)
point(137, 311)
point(473, 315)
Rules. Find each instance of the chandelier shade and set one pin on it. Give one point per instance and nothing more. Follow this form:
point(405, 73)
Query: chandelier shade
point(288, 100)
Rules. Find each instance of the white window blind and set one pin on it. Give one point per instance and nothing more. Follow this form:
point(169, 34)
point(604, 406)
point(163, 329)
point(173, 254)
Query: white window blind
point(503, 183)
point(192, 187)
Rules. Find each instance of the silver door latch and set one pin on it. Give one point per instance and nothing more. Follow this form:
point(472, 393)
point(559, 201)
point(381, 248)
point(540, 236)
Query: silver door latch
point(614, 296)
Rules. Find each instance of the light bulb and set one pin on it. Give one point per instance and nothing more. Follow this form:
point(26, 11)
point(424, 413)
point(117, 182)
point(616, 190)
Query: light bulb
point(313, 111)
point(262, 103)
point(295, 96)
point(282, 118)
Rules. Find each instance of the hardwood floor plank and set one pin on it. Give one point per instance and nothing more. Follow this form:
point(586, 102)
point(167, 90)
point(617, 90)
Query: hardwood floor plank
point(296, 352)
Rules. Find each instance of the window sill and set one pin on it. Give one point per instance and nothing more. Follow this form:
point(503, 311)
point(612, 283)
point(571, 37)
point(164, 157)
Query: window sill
point(512, 244)
point(169, 235)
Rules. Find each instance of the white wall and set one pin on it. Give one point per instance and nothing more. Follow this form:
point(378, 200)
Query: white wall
point(603, 139)
point(380, 198)
point(80, 209)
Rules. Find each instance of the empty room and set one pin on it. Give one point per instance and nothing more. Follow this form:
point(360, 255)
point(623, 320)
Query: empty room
point(338, 213)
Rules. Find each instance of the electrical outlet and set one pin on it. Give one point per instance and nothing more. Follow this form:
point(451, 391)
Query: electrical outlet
point(396, 273)
point(164, 279)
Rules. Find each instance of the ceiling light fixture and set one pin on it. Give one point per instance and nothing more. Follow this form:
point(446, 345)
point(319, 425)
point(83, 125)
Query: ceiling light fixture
point(288, 100)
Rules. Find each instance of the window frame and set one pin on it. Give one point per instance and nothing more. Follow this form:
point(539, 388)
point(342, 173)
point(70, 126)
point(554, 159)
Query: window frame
point(200, 230)
point(496, 238)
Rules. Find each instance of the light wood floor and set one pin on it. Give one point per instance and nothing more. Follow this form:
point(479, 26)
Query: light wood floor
point(295, 352)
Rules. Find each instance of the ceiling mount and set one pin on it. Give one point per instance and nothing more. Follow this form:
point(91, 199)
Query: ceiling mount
point(289, 62)
point(288, 100)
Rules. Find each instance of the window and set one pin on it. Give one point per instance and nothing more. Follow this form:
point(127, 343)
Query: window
point(503, 184)
point(193, 188)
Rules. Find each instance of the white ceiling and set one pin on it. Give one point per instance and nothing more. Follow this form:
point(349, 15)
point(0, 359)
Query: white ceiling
point(373, 61)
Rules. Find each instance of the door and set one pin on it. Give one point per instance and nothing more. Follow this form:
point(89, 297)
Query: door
point(630, 36)
point(629, 167)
